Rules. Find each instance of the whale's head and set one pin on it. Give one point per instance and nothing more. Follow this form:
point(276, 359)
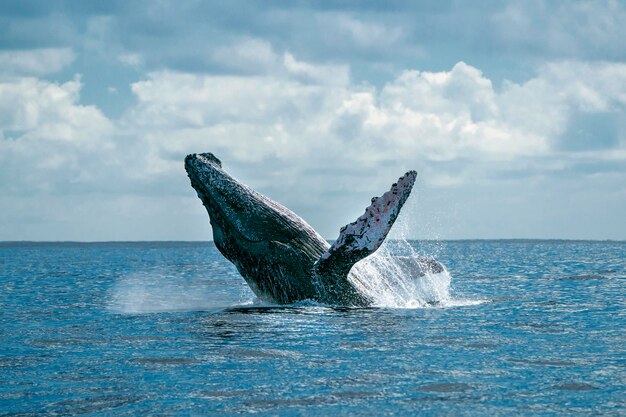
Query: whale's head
point(272, 247)
point(237, 211)
point(230, 204)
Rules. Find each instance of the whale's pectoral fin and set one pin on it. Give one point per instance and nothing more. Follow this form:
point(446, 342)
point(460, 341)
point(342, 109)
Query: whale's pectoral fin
point(365, 235)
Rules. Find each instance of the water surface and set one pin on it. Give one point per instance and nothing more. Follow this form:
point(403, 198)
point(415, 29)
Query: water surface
point(532, 328)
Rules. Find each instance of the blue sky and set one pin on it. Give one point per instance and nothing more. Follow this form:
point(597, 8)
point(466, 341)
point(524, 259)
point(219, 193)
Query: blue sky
point(513, 114)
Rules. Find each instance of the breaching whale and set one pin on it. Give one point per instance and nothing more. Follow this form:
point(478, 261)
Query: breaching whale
point(280, 256)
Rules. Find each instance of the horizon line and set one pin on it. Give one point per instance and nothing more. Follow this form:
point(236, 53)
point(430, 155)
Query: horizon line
point(3, 242)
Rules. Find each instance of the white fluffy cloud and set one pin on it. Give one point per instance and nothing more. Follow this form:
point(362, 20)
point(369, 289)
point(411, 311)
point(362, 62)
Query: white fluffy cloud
point(312, 116)
point(299, 118)
point(45, 135)
point(419, 116)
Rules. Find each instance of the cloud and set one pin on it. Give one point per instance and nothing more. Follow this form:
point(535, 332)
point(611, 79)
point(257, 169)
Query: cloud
point(585, 29)
point(130, 59)
point(248, 56)
point(47, 138)
point(368, 35)
point(185, 36)
point(316, 74)
point(352, 34)
point(251, 56)
point(419, 115)
point(43, 110)
point(35, 61)
point(454, 120)
point(318, 104)
point(295, 127)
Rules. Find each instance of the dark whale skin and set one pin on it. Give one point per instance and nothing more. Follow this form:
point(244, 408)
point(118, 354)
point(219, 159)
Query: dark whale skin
point(281, 257)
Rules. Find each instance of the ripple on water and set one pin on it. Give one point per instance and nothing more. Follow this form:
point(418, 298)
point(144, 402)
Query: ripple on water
point(576, 386)
point(541, 362)
point(481, 346)
point(164, 361)
point(94, 404)
point(445, 387)
point(264, 353)
point(583, 277)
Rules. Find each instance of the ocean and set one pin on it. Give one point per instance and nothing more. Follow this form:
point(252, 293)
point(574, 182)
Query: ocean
point(516, 327)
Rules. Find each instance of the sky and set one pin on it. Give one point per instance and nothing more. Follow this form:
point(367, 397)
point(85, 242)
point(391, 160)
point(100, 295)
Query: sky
point(513, 113)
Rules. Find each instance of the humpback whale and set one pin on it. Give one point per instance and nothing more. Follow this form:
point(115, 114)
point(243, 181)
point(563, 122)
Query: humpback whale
point(279, 255)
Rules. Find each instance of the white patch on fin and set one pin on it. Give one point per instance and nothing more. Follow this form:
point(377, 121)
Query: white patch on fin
point(365, 235)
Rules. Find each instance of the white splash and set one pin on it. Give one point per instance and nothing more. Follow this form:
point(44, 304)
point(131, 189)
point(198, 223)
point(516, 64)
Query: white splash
point(390, 283)
point(395, 276)
point(161, 290)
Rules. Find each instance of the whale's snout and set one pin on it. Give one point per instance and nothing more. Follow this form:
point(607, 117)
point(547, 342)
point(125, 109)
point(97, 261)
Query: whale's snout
point(206, 174)
point(198, 163)
point(214, 186)
point(230, 204)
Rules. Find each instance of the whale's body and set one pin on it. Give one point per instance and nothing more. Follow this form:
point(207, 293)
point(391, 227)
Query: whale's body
point(280, 256)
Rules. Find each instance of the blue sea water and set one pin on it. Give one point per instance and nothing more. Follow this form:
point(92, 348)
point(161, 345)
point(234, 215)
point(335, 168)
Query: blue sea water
point(531, 328)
